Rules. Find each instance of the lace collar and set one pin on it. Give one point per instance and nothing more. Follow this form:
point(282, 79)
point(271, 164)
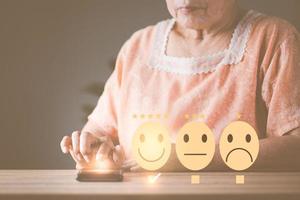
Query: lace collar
point(196, 65)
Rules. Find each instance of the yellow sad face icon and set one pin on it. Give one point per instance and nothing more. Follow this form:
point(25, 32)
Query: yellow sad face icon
point(239, 145)
point(195, 145)
point(151, 145)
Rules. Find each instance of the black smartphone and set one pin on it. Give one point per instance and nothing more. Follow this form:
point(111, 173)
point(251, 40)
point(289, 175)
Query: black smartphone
point(99, 175)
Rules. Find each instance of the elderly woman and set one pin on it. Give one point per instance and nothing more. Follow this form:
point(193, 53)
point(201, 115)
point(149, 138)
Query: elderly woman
point(211, 58)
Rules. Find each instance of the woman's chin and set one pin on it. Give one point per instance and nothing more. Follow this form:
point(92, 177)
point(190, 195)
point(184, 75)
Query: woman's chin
point(189, 23)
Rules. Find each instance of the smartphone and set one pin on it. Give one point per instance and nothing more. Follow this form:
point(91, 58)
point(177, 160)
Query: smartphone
point(99, 175)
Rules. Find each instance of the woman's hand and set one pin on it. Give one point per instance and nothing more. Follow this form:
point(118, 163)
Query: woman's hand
point(86, 149)
point(132, 166)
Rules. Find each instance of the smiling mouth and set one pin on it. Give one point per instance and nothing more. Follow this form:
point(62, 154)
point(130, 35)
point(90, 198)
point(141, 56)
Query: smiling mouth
point(195, 154)
point(190, 8)
point(239, 149)
point(162, 154)
point(186, 9)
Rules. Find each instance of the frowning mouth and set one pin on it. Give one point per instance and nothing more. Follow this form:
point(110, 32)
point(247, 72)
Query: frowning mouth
point(235, 149)
point(154, 160)
point(195, 154)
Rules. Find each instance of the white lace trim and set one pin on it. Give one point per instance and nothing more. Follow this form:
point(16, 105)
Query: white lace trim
point(204, 64)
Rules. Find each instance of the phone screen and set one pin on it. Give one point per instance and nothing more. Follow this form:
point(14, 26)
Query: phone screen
point(99, 175)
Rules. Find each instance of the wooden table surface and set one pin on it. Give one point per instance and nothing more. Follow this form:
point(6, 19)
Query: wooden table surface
point(61, 184)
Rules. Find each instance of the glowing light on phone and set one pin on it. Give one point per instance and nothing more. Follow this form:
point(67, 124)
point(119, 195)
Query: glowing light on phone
point(103, 164)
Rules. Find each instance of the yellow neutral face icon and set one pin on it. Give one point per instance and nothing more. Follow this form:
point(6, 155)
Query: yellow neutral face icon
point(239, 145)
point(195, 145)
point(151, 145)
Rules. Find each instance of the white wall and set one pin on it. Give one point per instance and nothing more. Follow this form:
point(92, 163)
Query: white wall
point(50, 50)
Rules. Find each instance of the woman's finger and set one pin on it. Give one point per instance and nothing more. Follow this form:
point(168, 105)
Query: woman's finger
point(118, 155)
point(131, 165)
point(128, 163)
point(106, 139)
point(76, 147)
point(136, 168)
point(86, 141)
point(65, 144)
point(74, 156)
point(80, 164)
point(83, 166)
point(103, 152)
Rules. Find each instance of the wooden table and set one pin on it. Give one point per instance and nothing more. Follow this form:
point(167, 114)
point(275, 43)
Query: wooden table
point(61, 184)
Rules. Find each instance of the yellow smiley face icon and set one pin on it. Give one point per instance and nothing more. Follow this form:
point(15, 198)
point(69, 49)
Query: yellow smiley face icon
point(151, 145)
point(195, 145)
point(239, 145)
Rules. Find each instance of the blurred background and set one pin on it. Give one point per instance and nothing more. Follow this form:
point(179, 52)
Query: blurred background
point(55, 56)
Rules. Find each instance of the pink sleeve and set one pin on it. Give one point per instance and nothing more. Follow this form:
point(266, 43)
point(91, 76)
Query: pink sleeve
point(105, 114)
point(281, 88)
